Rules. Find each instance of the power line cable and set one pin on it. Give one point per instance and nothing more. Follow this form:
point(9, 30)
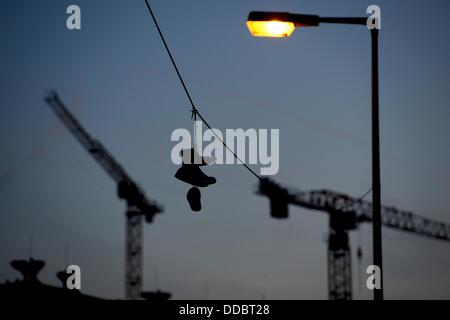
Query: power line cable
point(357, 200)
point(196, 113)
point(194, 110)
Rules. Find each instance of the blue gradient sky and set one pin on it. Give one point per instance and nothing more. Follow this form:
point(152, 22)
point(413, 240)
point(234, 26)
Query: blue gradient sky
point(315, 87)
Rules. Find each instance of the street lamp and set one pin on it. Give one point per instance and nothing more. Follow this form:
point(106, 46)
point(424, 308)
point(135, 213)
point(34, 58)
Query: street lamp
point(282, 24)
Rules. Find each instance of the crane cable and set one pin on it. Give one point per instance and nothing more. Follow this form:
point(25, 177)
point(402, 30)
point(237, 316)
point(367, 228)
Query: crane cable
point(194, 109)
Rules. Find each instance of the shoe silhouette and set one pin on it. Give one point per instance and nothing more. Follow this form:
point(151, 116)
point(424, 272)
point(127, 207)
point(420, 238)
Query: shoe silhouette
point(193, 197)
point(191, 174)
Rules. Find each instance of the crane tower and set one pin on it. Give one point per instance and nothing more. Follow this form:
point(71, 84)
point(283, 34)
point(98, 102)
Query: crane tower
point(345, 214)
point(138, 206)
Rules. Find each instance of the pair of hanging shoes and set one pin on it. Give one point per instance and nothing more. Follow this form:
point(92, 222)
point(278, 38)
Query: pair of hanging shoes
point(191, 173)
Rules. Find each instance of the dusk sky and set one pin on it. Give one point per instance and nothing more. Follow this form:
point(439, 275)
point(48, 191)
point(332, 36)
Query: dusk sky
point(115, 76)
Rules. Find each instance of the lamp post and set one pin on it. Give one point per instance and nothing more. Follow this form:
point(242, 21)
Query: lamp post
point(282, 24)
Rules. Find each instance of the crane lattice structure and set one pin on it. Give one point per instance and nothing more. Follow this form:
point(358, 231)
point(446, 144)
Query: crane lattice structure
point(137, 204)
point(345, 214)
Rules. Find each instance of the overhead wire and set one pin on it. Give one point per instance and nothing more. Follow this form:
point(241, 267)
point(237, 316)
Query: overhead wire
point(356, 200)
point(194, 110)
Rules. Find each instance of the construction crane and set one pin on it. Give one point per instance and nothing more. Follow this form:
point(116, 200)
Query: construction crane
point(345, 214)
point(137, 204)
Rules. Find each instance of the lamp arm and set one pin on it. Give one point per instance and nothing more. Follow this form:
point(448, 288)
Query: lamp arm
point(343, 20)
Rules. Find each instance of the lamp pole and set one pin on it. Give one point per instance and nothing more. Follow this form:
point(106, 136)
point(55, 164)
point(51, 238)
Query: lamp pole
point(376, 184)
point(284, 25)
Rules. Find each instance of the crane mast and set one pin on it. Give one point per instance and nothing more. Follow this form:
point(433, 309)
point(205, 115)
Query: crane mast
point(137, 204)
point(345, 214)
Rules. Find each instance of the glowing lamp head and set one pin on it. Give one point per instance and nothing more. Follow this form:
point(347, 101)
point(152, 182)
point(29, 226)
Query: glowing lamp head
point(275, 25)
point(273, 28)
